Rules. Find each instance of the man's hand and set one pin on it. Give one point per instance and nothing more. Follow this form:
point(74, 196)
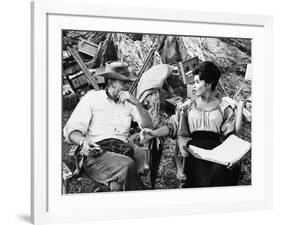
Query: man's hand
point(143, 116)
point(125, 95)
point(90, 148)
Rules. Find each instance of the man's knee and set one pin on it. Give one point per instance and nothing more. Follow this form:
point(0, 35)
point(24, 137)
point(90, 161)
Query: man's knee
point(129, 169)
point(115, 186)
point(128, 164)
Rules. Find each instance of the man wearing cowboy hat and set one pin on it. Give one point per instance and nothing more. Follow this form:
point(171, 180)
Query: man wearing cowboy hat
point(100, 125)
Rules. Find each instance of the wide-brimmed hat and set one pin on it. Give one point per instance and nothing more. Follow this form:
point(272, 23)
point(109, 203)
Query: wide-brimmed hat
point(118, 71)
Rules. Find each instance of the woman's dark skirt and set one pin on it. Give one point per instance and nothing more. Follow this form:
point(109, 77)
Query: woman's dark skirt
point(202, 173)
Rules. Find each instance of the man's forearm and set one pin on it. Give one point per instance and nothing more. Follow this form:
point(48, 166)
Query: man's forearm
point(145, 118)
point(76, 136)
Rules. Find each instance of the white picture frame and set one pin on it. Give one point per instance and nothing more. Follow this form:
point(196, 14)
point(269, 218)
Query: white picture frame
point(48, 205)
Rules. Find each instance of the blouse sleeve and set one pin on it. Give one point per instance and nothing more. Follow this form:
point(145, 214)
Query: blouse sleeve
point(228, 125)
point(183, 128)
point(80, 117)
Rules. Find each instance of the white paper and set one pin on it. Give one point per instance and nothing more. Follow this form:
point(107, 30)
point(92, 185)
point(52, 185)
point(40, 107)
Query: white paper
point(228, 153)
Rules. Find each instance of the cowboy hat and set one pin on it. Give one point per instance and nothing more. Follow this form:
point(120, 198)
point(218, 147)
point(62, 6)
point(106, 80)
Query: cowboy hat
point(118, 71)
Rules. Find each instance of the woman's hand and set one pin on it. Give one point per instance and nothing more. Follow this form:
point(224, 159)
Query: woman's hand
point(182, 142)
point(90, 148)
point(239, 102)
point(146, 134)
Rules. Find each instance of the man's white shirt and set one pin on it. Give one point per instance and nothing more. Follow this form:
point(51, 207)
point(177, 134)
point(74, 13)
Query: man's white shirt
point(98, 117)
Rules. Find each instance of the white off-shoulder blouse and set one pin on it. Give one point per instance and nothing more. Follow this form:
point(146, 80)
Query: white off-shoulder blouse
point(189, 118)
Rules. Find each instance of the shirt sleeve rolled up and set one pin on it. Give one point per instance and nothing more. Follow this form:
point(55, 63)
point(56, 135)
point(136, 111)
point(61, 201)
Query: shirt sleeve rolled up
point(80, 117)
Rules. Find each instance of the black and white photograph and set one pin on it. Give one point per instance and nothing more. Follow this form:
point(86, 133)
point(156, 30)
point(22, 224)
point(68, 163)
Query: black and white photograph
point(154, 111)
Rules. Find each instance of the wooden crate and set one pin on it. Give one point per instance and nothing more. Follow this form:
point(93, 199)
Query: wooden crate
point(87, 47)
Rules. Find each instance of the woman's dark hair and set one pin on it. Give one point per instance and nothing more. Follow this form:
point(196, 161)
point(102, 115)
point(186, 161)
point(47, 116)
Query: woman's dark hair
point(208, 72)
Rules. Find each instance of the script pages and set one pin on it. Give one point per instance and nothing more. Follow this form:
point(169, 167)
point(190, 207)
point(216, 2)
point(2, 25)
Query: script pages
point(228, 153)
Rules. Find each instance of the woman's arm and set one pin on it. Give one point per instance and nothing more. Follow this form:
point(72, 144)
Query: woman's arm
point(182, 142)
point(147, 134)
point(239, 114)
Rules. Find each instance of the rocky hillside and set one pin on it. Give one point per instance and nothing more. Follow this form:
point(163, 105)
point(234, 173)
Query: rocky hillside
point(228, 53)
point(231, 54)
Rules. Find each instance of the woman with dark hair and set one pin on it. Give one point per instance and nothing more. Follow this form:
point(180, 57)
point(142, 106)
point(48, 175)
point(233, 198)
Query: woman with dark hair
point(205, 122)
